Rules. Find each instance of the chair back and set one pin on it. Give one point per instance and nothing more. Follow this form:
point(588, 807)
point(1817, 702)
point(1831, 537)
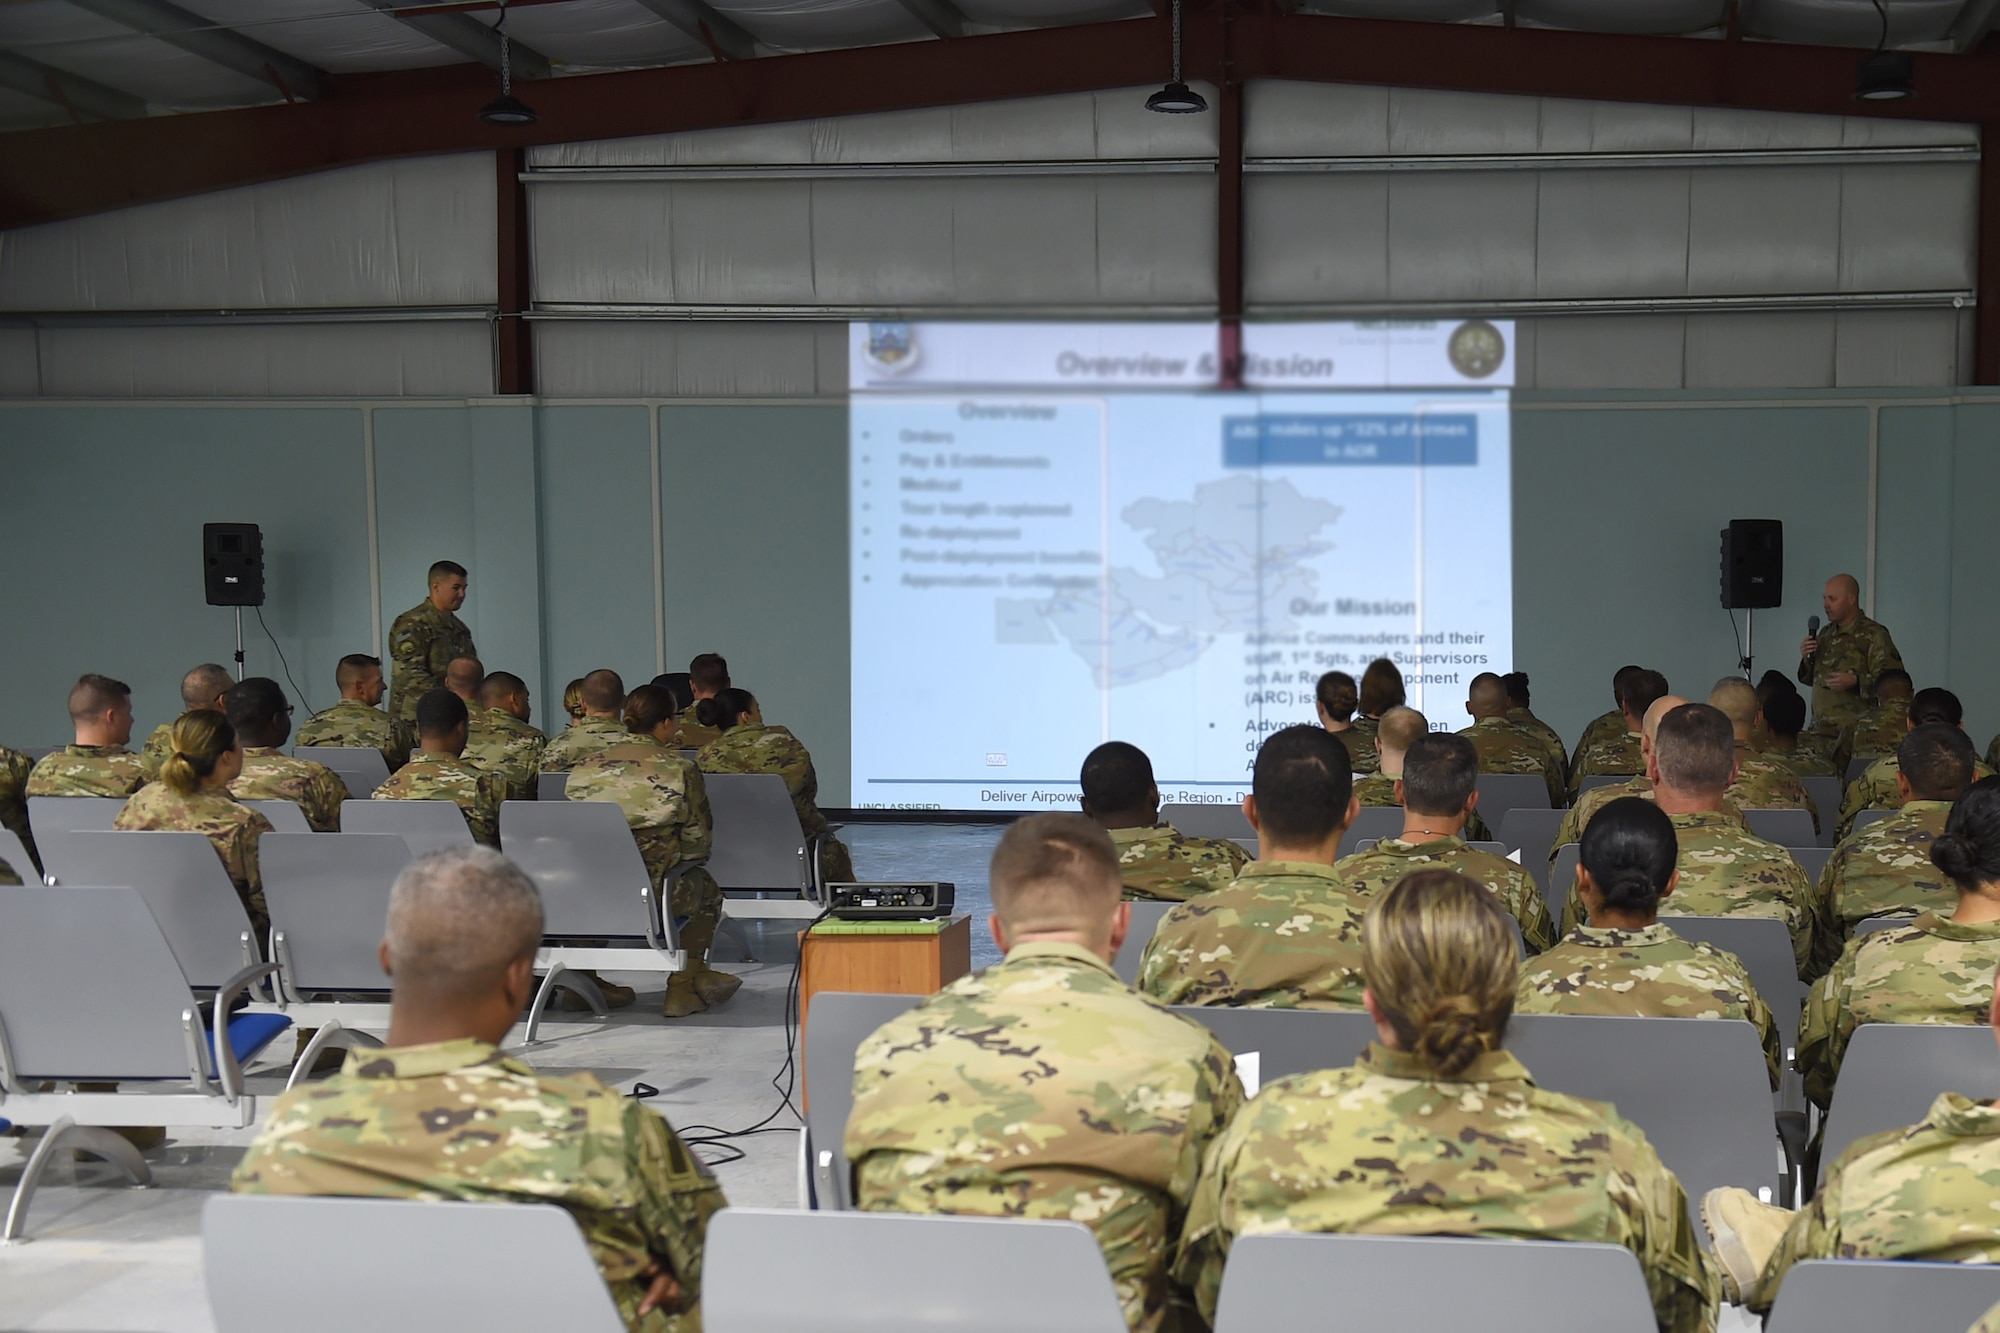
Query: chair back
point(1825, 793)
point(285, 817)
point(552, 787)
point(1224, 819)
point(1892, 1072)
point(183, 882)
point(1788, 827)
point(901, 1273)
point(1533, 834)
point(1371, 824)
point(16, 855)
point(361, 768)
point(1857, 766)
point(88, 987)
point(329, 900)
point(582, 857)
point(1146, 918)
point(836, 1025)
point(1286, 1041)
point(757, 843)
point(54, 818)
point(1868, 1295)
point(1496, 1285)
point(428, 826)
point(1870, 924)
point(1763, 944)
point(1874, 814)
point(1700, 1090)
point(426, 1266)
point(1562, 879)
point(1596, 780)
point(1812, 860)
point(1501, 792)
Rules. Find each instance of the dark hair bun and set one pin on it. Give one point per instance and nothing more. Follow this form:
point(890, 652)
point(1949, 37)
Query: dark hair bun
point(1956, 855)
point(1449, 1038)
point(1630, 887)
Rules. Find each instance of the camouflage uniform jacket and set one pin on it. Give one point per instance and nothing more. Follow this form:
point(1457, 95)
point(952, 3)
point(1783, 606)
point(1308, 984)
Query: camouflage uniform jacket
point(422, 642)
point(693, 735)
point(1806, 761)
point(1163, 864)
point(498, 742)
point(1359, 739)
point(1387, 1147)
point(1876, 789)
point(14, 770)
point(1646, 973)
point(580, 740)
point(1726, 870)
point(1043, 1087)
point(314, 788)
point(442, 777)
point(457, 1121)
point(1602, 727)
point(1886, 869)
point(1933, 970)
point(1525, 719)
point(1379, 789)
point(752, 749)
point(359, 726)
point(1375, 870)
point(1285, 935)
point(159, 744)
point(1921, 1193)
point(1863, 647)
point(1578, 817)
point(87, 770)
point(661, 794)
point(232, 826)
point(1766, 784)
point(1879, 730)
point(1506, 748)
point(1988, 1322)
point(1611, 753)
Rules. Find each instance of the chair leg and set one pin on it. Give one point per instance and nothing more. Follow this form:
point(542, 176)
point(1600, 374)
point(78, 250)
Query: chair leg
point(570, 980)
point(67, 1134)
point(734, 929)
point(333, 1034)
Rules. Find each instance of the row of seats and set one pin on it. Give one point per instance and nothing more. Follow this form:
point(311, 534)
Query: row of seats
point(430, 1265)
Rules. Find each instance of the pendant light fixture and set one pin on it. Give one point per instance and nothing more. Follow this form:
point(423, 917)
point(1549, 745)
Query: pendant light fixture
point(1177, 99)
point(506, 109)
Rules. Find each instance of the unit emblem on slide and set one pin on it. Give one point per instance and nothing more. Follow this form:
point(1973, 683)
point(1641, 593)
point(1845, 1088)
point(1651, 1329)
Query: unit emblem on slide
point(891, 350)
point(1476, 349)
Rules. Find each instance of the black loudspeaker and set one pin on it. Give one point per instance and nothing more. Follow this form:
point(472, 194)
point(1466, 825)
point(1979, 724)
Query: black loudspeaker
point(1753, 563)
point(232, 564)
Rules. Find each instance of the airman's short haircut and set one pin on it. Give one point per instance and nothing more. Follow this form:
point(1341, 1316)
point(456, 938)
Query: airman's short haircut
point(440, 713)
point(1619, 677)
point(93, 694)
point(500, 685)
point(1401, 727)
point(1785, 713)
point(1737, 700)
point(1642, 688)
point(1302, 780)
point(1337, 694)
point(1439, 772)
point(1517, 688)
point(603, 691)
point(1936, 758)
point(355, 668)
point(203, 685)
point(708, 672)
point(1487, 693)
point(447, 569)
point(458, 918)
point(1936, 704)
point(1696, 749)
point(1117, 778)
point(256, 707)
point(1056, 872)
point(1895, 683)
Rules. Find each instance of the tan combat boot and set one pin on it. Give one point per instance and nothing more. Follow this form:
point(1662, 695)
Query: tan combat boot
point(1746, 1232)
point(682, 997)
point(714, 987)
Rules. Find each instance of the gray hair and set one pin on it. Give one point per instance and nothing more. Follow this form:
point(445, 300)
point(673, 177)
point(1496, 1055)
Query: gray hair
point(458, 917)
point(202, 684)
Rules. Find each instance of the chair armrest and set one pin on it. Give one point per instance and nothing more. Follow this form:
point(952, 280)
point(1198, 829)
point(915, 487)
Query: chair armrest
point(815, 890)
point(227, 1070)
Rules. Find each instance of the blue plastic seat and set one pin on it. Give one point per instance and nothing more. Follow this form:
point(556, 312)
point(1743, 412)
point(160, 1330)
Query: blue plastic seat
point(250, 1033)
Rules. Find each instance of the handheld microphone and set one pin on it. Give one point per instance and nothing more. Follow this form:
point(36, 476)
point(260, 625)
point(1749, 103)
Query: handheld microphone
point(1812, 628)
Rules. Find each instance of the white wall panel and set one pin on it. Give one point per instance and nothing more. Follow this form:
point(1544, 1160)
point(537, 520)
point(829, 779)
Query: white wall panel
point(882, 241)
point(20, 363)
point(1884, 348)
point(1609, 352)
point(418, 232)
point(679, 358)
point(1909, 228)
point(1760, 351)
point(1315, 238)
point(747, 242)
point(1612, 233)
point(430, 359)
point(1754, 232)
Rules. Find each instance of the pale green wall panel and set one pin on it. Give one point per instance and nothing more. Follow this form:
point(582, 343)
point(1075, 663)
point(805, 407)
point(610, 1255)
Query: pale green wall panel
point(1914, 587)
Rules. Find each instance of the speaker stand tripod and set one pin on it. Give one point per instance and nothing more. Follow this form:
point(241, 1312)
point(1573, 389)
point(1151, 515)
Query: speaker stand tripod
point(239, 643)
point(1749, 623)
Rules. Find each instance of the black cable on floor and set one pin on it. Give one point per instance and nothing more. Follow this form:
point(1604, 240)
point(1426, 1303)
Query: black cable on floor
point(282, 662)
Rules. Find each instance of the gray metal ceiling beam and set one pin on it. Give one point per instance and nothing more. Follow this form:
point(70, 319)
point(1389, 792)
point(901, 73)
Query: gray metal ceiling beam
point(1974, 22)
point(942, 17)
point(81, 97)
point(469, 37)
point(707, 26)
point(198, 36)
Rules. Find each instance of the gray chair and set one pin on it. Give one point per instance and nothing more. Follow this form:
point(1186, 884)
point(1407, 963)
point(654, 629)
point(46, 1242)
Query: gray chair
point(1596, 780)
point(1496, 1285)
point(427, 1266)
point(1562, 878)
point(183, 882)
point(1892, 1072)
point(1501, 792)
point(552, 787)
point(1787, 828)
point(1884, 921)
point(16, 855)
point(133, 1023)
point(1700, 1090)
point(53, 818)
point(759, 848)
point(1857, 766)
point(285, 817)
point(836, 1025)
point(901, 1273)
point(1825, 793)
point(1225, 819)
point(1286, 1041)
point(1146, 918)
point(428, 826)
point(1812, 860)
point(361, 768)
point(1872, 815)
point(1533, 834)
point(1372, 824)
point(1764, 946)
point(598, 904)
point(1868, 1295)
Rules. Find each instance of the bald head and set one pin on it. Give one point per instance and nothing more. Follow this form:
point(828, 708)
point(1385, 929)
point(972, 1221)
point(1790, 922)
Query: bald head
point(204, 686)
point(1057, 874)
point(1399, 729)
point(1660, 707)
point(1841, 598)
point(458, 920)
point(1487, 697)
point(506, 691)
point(463, 677)
point(602, 694)
point(1736, 698)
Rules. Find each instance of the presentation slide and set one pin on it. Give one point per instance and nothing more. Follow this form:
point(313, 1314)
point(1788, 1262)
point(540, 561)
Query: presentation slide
point(1063, 534)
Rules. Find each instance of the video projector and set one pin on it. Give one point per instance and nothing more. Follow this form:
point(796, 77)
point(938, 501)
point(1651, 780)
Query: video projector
point(891, 901)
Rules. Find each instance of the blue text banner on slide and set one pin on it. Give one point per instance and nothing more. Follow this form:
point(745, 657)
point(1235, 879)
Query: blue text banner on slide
point(1064, 534)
